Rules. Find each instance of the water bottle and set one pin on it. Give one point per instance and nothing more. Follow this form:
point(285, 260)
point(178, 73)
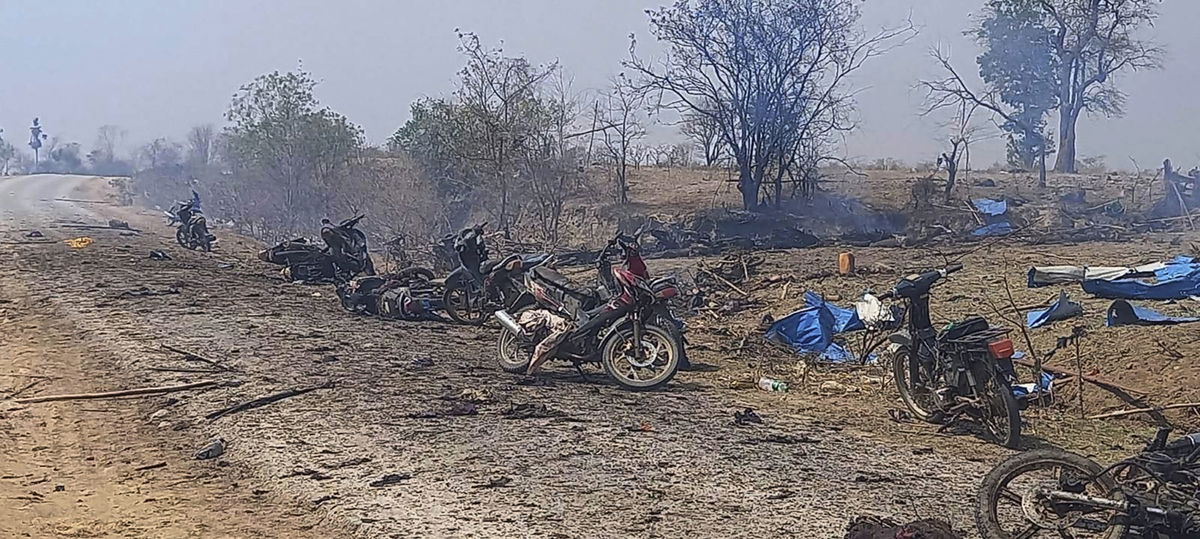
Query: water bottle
point(769, 384)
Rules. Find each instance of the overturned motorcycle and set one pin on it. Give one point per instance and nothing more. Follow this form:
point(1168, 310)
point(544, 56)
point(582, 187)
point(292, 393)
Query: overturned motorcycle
point(410, 294)
point(1054, 493)
point(344, 256)
point(625, 334)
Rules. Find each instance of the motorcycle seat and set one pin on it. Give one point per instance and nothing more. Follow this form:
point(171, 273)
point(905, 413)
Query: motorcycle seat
point(964, 328)
point(559, 281)
point(530, 261)
point(489, 265)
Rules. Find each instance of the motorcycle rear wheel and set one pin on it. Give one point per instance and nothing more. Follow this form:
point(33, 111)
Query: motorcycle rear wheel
point(620, 363)
point(1001, 416)
point(1019, 500)
point(182, 239)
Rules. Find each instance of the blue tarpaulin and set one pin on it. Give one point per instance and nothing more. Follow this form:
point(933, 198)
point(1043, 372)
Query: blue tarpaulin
point(1123, 313)
point(995, 221)
point(1177, 279)
point(1062, 309)
point(811, 329)
point(1045, 385)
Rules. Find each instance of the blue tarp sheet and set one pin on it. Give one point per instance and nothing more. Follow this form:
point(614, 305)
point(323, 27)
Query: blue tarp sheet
point(811, 329)
point(996, 223)
point(1062, 309)
point(1178, 279)
point(1123, 313)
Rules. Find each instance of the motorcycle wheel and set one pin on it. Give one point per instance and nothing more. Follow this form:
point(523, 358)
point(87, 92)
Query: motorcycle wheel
point(1001, 416)
point(511, 354)
point(182, 239)
point(1007, 505)
point(414, 275)
point(464, 303)
point(919, 401)
point(622, 365)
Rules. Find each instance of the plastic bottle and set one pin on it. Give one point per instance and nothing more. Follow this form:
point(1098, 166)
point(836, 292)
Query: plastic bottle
point(769, 384)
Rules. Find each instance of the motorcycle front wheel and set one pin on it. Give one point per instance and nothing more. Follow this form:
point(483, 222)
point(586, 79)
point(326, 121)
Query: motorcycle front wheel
point(1010, 502)
point(463, 302)
point(916, 394)
point(182, 239)
point(512, 355)
point(658, 364)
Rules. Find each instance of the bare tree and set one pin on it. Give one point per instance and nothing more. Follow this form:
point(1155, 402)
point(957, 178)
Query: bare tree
point(618, 110)
point(771, 75)
point(705, 133)
point(201, 140)
point(108, 139)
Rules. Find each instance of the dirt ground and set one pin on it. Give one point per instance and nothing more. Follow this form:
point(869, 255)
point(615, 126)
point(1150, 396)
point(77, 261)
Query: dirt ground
point(378, 453)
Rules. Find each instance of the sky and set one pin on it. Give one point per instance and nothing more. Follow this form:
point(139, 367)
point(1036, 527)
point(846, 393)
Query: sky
point(157, 67)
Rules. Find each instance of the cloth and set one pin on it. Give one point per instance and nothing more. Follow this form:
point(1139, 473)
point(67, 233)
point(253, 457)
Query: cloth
point(556, 328)
point(1123, 313)
point(1062, 309)
point(1047, 275)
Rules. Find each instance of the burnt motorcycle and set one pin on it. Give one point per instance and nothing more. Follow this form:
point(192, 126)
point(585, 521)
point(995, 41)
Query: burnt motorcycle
point(480, 286)
point(964, 370)
point(626, 333)
point(191, 228)
point(1053, 493)
point(348, 245)
point(408, 294)
point(336, 263)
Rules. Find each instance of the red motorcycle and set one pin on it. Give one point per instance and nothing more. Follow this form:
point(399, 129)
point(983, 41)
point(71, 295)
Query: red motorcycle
point(623, 330)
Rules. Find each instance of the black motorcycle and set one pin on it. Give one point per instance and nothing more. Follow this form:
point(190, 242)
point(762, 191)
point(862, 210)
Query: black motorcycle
point(387, 295)
point(626, 333)
point(480, 286)
point(1053, 493)
point(348, 245)
point(965, 369)
point(343, 257)
point(191, 228)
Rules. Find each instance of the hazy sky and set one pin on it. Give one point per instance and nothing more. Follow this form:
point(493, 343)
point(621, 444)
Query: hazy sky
point(157, 67)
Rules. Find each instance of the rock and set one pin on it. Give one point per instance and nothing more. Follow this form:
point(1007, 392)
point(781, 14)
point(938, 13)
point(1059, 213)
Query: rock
point(158, 414)
point(213, 450)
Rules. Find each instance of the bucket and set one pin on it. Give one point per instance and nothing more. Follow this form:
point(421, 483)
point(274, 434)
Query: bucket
point(846, 263)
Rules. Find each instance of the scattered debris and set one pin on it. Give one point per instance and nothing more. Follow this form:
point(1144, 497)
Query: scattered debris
point(746, 417)
point(874, 527)
point(150, 467)
point(79, 243)
point(790, 439)
point(1122, 313)
point(390, 479)
point(192, 356)
point(146, 291)
point(159, 255)
point(900, 416)
point(1062, 309)
point(263, 401)
point(35, 234)
point(527, 410)
point(212, 450)
point(422, 362)
point(122, 393)
point(115, 223)
point(495, 482)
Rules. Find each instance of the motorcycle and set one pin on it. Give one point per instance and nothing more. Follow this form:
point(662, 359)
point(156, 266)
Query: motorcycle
point(1053, 493)
point(406, 294)
point(965, 369)
point(191, 228)
point(348, 245)
point(343, 257)
point(479, 285)
point(626, 333)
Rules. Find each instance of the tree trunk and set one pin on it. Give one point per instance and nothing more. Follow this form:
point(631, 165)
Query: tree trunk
point(1065, 162)
point(1042, 166)
point(749, 189)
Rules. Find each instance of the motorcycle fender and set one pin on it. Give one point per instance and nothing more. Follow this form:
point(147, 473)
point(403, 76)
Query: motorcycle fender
point(899, 339)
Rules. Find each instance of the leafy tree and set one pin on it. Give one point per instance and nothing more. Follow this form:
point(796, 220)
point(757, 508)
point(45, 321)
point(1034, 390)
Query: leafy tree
point(770, 74)
point(1074, 49)
point(280, 134)
point(1020, 63)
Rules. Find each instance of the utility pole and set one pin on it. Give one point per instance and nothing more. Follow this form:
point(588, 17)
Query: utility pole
point(35, 140)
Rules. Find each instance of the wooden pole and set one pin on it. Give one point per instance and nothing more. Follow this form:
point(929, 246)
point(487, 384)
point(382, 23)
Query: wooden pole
point(122, 393)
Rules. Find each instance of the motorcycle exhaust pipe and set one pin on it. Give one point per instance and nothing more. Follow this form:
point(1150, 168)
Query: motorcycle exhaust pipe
point(509, 322)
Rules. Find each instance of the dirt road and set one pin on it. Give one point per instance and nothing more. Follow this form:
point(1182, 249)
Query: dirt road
point(382, 452)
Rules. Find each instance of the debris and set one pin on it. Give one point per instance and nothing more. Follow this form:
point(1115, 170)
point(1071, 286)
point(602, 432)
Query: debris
point(1062, 309)
point(159, 255)
point(390, 479)
point(114, 223)
point(1122, 313)
point(833, 386)
point(845, 263)
point(528, 410)
point(27, 387)
point(263, 401)
point(422, 362)
point(150, 467)
point(192, 356)
point(212, 450)
point(145, 291)
point(811, 330)
point(1178, 278)
point(874, 527)
point(79, 243)
point(35, 234)
point(746, 417)
point(772, 385)
point(900, 416)
point(122, 393)
point(789, 439)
